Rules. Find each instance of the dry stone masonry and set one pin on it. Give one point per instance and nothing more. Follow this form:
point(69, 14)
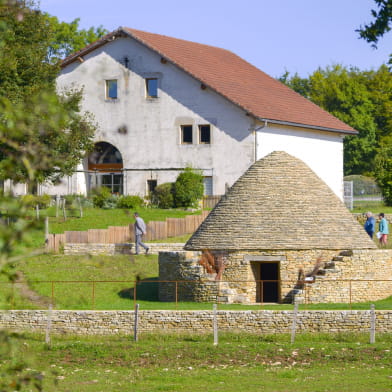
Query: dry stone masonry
point(257, 321)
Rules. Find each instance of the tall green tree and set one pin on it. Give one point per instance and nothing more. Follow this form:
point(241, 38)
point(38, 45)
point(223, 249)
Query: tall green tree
point(43, 134)
point(344, 93)
point(68, 38)
point(380, 25)
point(362, 99)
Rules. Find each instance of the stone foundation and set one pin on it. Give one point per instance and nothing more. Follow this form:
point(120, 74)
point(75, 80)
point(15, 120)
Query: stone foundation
point(258, 321)
point(344, 276)
point(112, 249)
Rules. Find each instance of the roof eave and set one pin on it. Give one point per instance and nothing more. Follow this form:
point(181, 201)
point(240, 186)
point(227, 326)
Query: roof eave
point(102, 41)
point(293, 124)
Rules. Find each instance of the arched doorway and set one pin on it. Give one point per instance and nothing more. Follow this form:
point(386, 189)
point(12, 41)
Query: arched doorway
point(105, 166)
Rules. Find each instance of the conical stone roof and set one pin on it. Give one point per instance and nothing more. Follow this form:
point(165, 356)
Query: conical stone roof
point(279, 203)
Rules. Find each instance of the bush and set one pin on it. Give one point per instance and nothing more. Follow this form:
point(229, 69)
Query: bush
point(130, 202)
point(102, 198)
point(188, 188)
point(76, 200)
point(162, 197)
point(31, 201)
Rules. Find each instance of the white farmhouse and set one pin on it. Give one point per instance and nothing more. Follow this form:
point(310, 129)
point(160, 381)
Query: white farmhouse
point(162, 104)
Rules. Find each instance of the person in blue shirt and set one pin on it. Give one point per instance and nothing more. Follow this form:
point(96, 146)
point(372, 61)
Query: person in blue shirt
point(383, 229)
point(370, 224)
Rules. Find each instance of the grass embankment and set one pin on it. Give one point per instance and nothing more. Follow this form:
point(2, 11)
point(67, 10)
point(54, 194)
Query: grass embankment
point(83, 282)
point(374, 206)
point(240, 362)
point(96, 218)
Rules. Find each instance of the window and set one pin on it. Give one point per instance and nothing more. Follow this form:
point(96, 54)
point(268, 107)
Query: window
point(152, 87)
point(186, 134)
point(111, 89)
point(151, 185)
point(207, 182)
point(204, 134)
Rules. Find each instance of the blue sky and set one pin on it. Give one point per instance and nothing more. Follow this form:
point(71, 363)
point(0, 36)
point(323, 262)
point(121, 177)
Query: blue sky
point(274, 35)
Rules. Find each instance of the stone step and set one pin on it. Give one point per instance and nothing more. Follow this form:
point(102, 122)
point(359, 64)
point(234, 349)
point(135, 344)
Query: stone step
point(347, 253)
point(329, 265)
point(323, 272)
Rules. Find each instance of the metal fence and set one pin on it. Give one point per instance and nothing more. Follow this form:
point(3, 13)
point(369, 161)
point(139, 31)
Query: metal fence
point(124, 294)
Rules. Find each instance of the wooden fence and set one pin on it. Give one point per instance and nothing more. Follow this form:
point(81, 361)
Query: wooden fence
point(156, 230)
point(210, 201)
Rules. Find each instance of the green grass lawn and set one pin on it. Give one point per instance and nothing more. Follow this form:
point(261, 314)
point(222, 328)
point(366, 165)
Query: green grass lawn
point(175, 363)
point(108, 283)
point(374, 206)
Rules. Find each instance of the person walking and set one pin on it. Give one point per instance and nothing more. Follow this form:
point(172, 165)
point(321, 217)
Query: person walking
point(140, 230)
point(370, 224)
point(383, 229)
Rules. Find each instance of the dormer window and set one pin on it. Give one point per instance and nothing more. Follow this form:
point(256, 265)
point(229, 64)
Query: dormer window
point(111, 89)
point(152, 87)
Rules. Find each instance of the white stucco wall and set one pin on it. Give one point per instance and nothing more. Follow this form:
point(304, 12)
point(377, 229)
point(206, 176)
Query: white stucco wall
point(152, 138)
point(321, 151)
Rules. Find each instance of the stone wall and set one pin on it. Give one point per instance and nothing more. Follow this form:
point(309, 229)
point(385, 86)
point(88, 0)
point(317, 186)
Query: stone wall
point(257, 321)
point(344, 276)
point(111, 249)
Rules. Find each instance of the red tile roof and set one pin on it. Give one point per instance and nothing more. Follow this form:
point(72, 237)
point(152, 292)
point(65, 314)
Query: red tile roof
point(234, 78)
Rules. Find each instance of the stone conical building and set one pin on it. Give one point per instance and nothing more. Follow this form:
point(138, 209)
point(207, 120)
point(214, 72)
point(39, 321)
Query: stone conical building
point(279, 203)
point(279, 233)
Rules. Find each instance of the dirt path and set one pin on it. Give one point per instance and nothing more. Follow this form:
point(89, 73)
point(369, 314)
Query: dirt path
point(29, 294)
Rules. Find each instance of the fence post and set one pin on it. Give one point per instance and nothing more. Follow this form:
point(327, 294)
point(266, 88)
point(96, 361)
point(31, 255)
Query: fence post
point(46, 231)
point(93, 295)
point(372, 324)
point(48, 325)
point(294, 324)
point(215, 324)
point(64, 212)
point(80, 207)
point(57, 205)
point(176, 295)
point(37, 211)
point(135, 329)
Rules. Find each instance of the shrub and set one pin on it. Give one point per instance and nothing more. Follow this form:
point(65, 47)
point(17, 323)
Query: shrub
point(162, 197)
point(130, 202)
point(31, 201)
point(188, 188)
point(102, 198)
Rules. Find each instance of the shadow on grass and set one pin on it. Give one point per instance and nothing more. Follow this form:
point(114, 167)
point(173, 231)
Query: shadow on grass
point(146, 290)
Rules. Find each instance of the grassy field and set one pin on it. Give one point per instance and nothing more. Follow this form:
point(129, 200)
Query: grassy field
point(86, 282)
point(375, 206)
point(176, 363)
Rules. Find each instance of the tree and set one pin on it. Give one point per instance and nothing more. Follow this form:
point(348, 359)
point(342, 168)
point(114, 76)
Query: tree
point(41, 133)
point(345, 94)
point(381, 24)
point(383, 164)
point(40, 130)
point(69, 38)
point(188, 188)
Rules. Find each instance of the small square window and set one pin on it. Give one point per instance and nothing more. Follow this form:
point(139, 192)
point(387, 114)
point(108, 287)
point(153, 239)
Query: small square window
point(186, 134)
point(111, 89)
point(204, 134)
point(152, 87)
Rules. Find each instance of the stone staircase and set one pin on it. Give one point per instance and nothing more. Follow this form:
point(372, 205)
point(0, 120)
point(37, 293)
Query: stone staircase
point(328, 271)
